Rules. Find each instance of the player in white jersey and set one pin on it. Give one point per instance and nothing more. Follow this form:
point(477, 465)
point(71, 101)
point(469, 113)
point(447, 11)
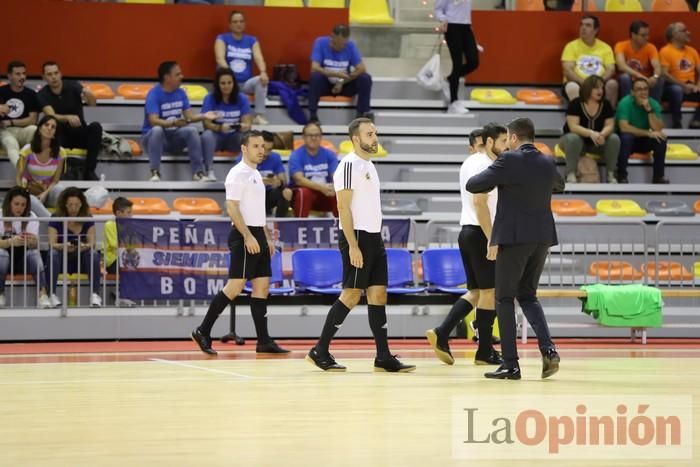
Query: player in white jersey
point(250, 244)
point(478, 214)
point(364, 259)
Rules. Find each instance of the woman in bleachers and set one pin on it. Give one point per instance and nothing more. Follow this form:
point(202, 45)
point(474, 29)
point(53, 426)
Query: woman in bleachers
point(19, 244)
point(79, 242)
point(590, 128)
point(223, 134)
point(40, 166)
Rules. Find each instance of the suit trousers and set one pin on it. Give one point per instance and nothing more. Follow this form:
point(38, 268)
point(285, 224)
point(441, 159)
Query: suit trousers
point(518, 270)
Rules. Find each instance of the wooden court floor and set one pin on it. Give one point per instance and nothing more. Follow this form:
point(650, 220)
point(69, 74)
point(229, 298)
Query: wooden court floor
point(174, 407)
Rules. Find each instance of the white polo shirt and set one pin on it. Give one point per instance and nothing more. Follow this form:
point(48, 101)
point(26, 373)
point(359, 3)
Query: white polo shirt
point(473, 165)
point(356, 174)
point(244, 184)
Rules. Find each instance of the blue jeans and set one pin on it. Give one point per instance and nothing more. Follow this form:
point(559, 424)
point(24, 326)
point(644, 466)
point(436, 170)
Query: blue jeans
point(89, 264)
point(35, 266)
point(625, 83)
point(631, 143)
point(159, 140)
point(675, 96)
point(213, 141)
point(320, 86)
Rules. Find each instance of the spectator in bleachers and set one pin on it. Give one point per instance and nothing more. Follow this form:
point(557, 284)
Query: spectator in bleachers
point(455, 22)
point(637, 58)
point(590, 127)
point(238, 51)
point(40, 166)
point(19, 108)
point(311, 169)
point(641, 130)
point(121, 207)
point(79, 243)
point(166, 123)
point(337, 69)
point(19, 244)
point(233, 118)
point(588, 56)
point(681, 67)
point(64, 100)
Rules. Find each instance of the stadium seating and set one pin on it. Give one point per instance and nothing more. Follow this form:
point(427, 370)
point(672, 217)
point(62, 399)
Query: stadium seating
point(154, 206)
point(492, 96)
point(99, 90)
point(370, 12)
point(529, 5)
point(544, 149)
point(590, 5)
point(443, 270)
point(285, 3)
point(105, 209)
point(195, 92)
point(337, 99)
point(696, 267)
point(572, 207)
point(324, 143)
point(615, 271)
point(346, 147)
point(559, 152)
point(318, 270)
point(623, 5)
point(620, 208)
point(682, 152)
point(666, 271)
point(538, 97)
point(400, 266)
point(190, 206)
point(669, 5)
point(134, 91)
point(276, 278)
point(696, 206)
point(669, 208)
point(326, 3)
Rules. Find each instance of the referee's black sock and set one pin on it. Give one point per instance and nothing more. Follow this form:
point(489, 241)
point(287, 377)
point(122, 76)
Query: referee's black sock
point(336, 316)
point(457, 313)
point(258, 308)
point(216, 307)
point(484, 323)
point(378, 325)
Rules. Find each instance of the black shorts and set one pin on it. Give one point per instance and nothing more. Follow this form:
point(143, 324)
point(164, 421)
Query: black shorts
point(481, 273)
point(374, 267)
point(243, 265)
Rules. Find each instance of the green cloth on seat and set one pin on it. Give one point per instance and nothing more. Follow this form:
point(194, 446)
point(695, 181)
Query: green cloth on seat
point(634, 305)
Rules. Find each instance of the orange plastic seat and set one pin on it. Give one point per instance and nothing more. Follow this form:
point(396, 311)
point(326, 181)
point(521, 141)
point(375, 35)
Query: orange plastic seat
point(15, 278)
point(529, 5)
point(134, 91)
point(572, 207)
point(336, 99)
point(544, 149)
point(669, 5)
point(149, 206)
point(641, 156)
point(696, 206)
point(196, 206)
point(106, 209)
point(99, 90)
point(324, 143)
point(135, 147)
point(615, 270)
point(538, 96)
point(578, 5)
point(667, 271)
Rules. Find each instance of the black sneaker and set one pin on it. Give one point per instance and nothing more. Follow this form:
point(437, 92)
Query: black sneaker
point(269, 347)
point(440, 346)
point(550, 363)
point(492, 358)
point(392, 364)
point(204, 342)
point(326, 362)
point(90, 176)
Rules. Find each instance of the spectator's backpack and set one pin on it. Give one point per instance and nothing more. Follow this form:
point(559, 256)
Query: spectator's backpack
point(587, 170)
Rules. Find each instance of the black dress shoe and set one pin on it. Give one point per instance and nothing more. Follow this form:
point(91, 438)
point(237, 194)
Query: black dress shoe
point(503, 372)
point(492, 358)
point(269, 347)
point(204, 342)
point(550, 363)
point(622, 179)
point(440, 346)
point(391, 364)
point(324, 361)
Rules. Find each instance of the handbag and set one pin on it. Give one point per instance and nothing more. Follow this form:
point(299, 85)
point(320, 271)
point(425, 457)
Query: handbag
point(430, 75)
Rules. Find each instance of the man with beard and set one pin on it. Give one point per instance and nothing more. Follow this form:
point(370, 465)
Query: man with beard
point(478, 214)
point(361, 246)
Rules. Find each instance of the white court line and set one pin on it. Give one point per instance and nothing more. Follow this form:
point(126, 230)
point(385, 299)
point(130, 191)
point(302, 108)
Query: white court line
point(211, 370)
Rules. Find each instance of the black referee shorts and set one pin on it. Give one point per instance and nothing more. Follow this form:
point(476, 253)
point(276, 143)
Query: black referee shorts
point(243, 265)
point(481, 273)
point(374, 267)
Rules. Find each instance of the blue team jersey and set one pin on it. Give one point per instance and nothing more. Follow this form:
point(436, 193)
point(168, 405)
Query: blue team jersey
point(319, 168)
point(167, 105)
point(335, 60)
point(229, 112)
point(239, 55)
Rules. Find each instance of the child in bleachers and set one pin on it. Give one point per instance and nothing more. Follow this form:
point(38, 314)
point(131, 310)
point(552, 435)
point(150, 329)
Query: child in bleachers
point(121, 208)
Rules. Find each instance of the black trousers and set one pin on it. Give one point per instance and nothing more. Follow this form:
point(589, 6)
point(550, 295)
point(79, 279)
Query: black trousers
point(88, 137)
point(465, 56)
point(518, 271)
point(274, 198)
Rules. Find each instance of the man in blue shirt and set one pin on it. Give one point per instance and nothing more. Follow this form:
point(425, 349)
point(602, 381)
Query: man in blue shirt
point(311, 169)
point(167, 116)
point(337, 69)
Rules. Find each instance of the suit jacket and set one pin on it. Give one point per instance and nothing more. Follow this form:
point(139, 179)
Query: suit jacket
point(525, 179)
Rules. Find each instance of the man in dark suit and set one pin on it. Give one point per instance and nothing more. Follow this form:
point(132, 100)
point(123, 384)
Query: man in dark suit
point(523, 230)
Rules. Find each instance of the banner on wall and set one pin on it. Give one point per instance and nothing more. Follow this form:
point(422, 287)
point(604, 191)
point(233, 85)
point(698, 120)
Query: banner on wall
point(174, 259)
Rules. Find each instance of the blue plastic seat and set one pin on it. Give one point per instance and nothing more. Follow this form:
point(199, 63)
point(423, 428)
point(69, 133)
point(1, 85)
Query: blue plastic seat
point(318, 270)
point(443, 270)
point(276, 278)
point(400, 272)
point(669, 208)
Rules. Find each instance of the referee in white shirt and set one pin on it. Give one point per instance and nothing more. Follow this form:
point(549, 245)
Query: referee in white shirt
point(250, 244)
point(362, 248)
point(478, 214)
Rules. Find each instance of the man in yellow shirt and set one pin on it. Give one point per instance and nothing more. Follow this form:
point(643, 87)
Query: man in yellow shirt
point(588, 56)
point(681, 68)
point(121, 207)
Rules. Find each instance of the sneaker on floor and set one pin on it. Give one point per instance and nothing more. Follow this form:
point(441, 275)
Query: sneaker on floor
point(260, 120)
point(200, 177)
point(391, 364)
point(490, 358)
point(458, 108)
point(611, 177)
point(3, 301)
point(571, 178)
point(95, 301)
point(44, 301)
point(440, 346)
point(326, 362)
point(155, 176)
point(55, 302)
point(269, 347)
point(211, 176)
point(204, 342)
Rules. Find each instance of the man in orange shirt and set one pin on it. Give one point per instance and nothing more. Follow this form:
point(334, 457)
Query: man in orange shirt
point(681, 69)
point(637, 58)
